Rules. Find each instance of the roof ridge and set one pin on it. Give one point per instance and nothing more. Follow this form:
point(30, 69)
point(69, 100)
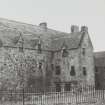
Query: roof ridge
point(5, 19)
point(19, 22)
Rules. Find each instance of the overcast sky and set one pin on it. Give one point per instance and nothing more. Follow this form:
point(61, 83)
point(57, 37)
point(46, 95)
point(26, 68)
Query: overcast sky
point(60, 15)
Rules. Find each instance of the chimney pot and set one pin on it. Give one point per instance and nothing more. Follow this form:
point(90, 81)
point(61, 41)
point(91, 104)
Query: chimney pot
point(84, 29)
point(74, 28)
point(43, 25)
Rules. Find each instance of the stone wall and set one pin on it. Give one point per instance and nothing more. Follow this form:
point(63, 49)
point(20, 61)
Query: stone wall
point(14, 64)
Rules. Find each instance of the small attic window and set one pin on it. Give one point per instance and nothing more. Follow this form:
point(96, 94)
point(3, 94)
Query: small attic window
point(64, 52)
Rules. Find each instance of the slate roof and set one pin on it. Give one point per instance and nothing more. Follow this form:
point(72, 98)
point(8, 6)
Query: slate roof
point(30, 34)
point(27, 29)
point(72, 41)
point(99, 59)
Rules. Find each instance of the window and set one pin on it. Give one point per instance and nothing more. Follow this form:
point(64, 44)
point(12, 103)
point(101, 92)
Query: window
point(83, 51)
point(39, 48)
point(72, 72)
point(40, 65)
point(58, 70)
point(64, 52)
point(84, 71)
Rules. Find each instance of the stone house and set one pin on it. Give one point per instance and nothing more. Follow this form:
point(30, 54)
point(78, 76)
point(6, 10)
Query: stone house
point(65, 59)
point(73, 59)
point(99, 69)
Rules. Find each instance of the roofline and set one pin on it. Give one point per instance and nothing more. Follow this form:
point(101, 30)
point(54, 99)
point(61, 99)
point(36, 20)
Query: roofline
point(99, 52)
point(67, 49)
point(16, 21)
point(20, 22)
point(54, 51)
point(25, 48)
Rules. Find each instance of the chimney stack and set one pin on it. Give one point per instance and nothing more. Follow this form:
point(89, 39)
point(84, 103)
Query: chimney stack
point(43, 25)
point(74, 28)
point(84, 29)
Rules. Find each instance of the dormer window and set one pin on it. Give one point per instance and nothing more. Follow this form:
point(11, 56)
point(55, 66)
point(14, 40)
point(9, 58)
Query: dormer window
point(64, 52)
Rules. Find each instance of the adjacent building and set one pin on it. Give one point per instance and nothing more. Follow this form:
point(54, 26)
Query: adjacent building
point(99, 70)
